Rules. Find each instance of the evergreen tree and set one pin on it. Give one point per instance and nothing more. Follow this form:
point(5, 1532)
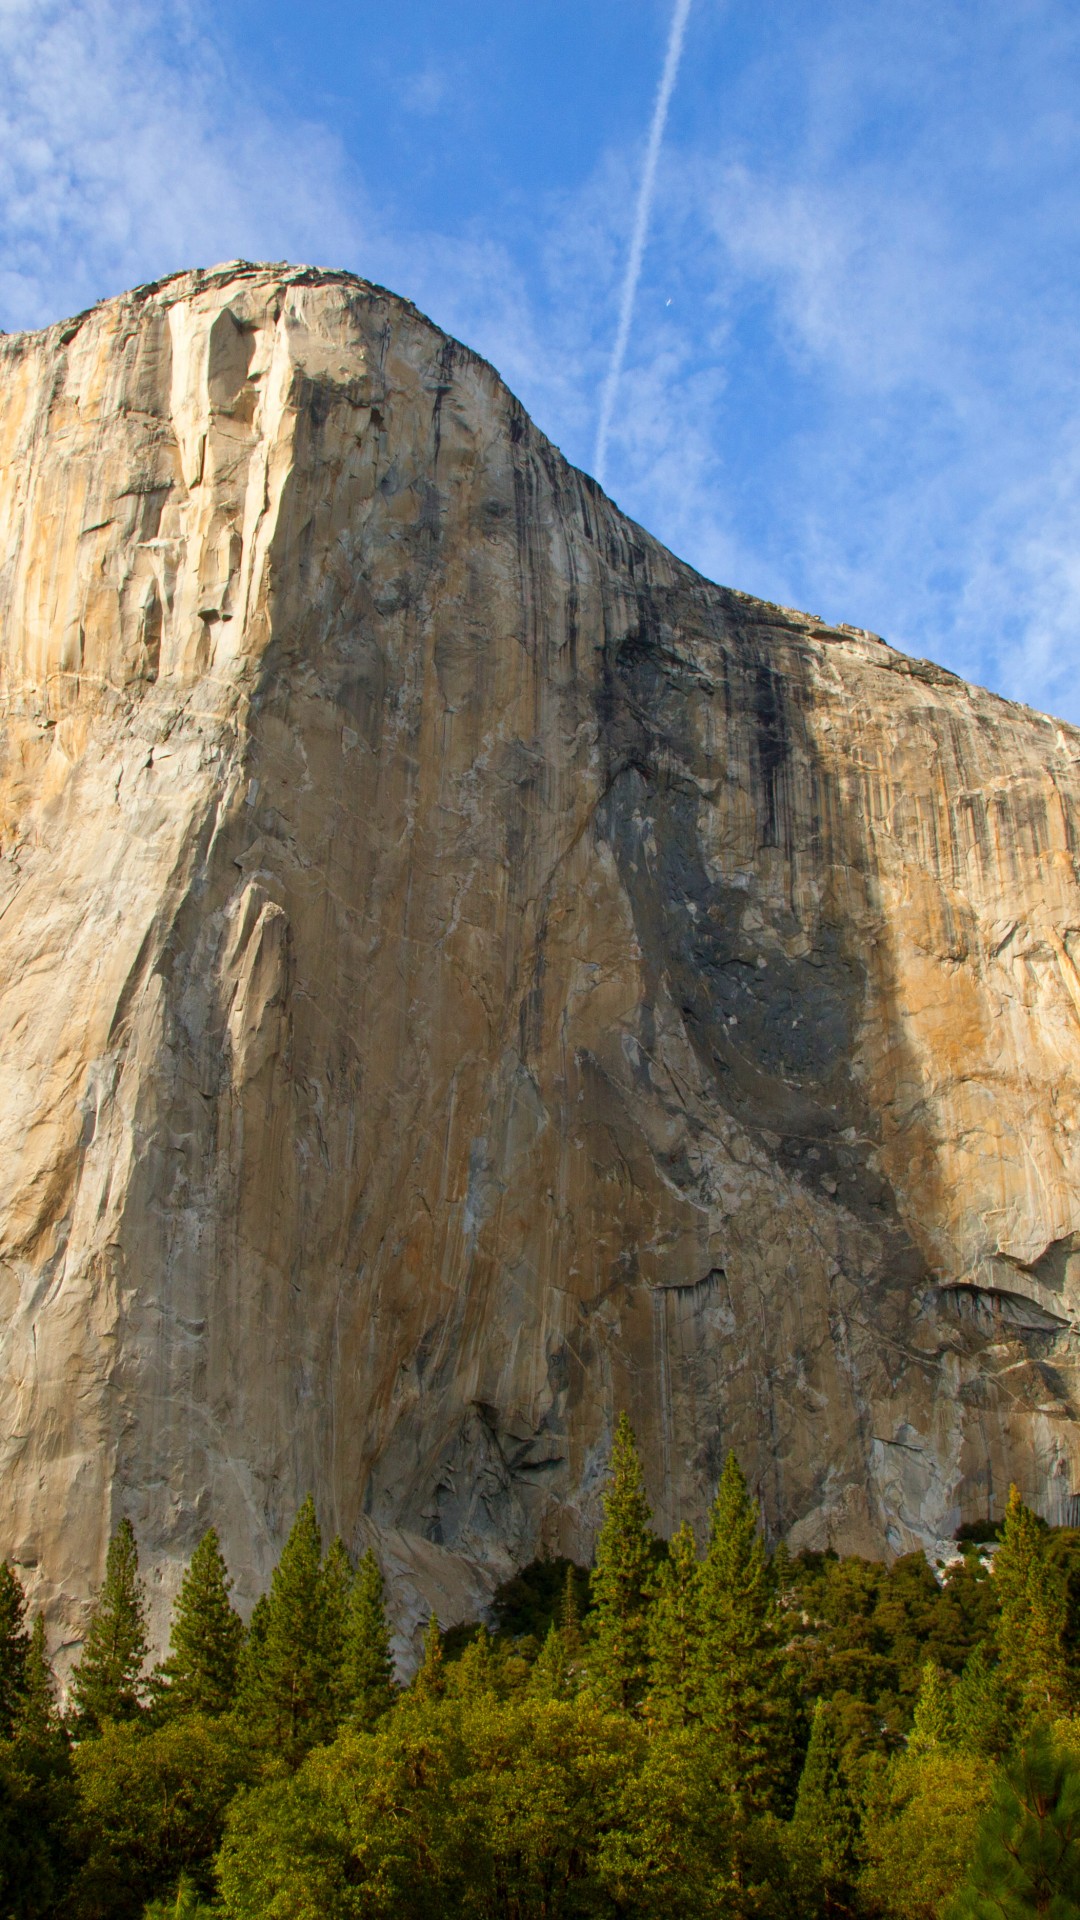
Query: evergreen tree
point(429, 1680)
point(106, 1683)
point(982, 1725)
point(825, 1826)
point(14, 1649)
point(933, 1728)
point(570, 1613)
point(550, 1676)
point(1032, 1615)
point(286, 1693)
point(674, 1633)
point(39, 1719)
point(335, 1587)
point(207, 1634)
point(622, 1578)
point(741, 1691)
point(367, 1664)
point(1027, 1853)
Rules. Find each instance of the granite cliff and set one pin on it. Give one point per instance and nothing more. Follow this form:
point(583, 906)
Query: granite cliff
point(462, 973)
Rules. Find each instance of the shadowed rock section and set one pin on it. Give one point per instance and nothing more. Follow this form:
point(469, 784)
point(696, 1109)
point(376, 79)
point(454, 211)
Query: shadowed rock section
point(461, 974)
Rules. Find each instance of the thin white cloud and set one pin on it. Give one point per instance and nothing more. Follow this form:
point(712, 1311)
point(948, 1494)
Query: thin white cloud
point(864, 394)
point(640, 230)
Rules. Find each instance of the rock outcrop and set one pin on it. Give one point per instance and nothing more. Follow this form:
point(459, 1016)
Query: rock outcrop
point(461, 974)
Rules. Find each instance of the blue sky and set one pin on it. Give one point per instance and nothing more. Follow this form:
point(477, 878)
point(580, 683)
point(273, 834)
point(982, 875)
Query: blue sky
point(853, 378)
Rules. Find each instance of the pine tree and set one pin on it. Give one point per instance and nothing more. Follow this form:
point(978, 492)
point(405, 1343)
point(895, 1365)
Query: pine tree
point(106, 1683)
point(367, 1663)
point(933, 1727)
point(742, 1693)
point(982, 1726)
point(472, 1675)
point(429, 1680)
point(200, 1674)
point(570, 1613)
point(39, 1720)
point(1032, 1616)
point(286, 1694)
point(550, 1677)
point(622, 1578)
point(674, 1633)
point(335, 1590)
point(1027, 1854)
point(825, 1824)
point(14, 1649)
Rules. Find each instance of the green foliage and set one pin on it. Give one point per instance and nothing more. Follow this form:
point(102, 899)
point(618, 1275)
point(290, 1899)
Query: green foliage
point(107, 1682)
point(1032, 1597)
point(667, 1854)
point(367, 1666)
point(429, 1681)
point(1027, 1853)
point(622, 1578)
point(183, 1904)
point(200, 1674)
point(153, 1806)
point(38, 1818)
point(742, 1691)
point(919, 1827)
point(933, 1727)
point(722, 1736)
point(38, 1718)
point(288, 1685)
point(535, 1599)
point(675, 1634)
point(825, 1824)
point(14, 1650)
point(980, 1720)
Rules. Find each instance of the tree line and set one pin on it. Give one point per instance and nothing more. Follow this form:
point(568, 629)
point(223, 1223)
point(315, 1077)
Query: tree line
point(718, 1733)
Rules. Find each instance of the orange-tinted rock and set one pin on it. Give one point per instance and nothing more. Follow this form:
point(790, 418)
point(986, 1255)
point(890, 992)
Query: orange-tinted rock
point(461, 974)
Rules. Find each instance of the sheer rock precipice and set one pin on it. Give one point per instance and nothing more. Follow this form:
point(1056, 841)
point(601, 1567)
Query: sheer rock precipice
point(461, 974)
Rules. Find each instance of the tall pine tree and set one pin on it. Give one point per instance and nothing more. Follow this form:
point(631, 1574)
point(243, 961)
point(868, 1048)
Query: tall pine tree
point(622, 1578)
point(1027, 1853)
point(200, 1674)
point(825, 1824)
point(367, 1668)
point(39, 1719)
point(107, 1682)
point(742, 1693)
point(674, 1633)
point(336, 1584)
point(286, 1693)
point(14, 1649)
point(429, 1680)
point(1032, 1616)
point(933, 1727)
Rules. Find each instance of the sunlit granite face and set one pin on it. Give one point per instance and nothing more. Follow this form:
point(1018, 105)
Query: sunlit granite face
point(462, 974)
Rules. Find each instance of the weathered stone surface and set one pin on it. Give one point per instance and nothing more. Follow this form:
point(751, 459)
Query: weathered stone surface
point(461, 973)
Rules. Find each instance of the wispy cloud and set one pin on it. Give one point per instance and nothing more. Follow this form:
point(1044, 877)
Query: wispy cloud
point(640, 231)
point(864, 395)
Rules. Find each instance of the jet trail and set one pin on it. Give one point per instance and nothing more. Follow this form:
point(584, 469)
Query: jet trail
point(640, 234)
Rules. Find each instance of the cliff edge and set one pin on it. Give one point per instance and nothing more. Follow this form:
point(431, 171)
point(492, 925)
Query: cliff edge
point(462, 974)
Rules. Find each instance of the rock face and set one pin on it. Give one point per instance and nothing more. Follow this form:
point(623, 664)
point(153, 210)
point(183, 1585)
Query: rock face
point(462, 974)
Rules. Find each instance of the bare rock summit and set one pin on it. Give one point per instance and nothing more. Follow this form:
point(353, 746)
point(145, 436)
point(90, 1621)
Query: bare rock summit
point(463, 974)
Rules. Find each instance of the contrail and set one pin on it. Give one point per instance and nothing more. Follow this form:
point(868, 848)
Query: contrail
point(640, 234)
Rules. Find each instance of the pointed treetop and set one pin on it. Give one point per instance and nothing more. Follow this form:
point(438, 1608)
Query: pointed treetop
point(207, 1634)
point(107, 1682)
point(429, 1680)
point(367, 1662)
point(622, 1578)
point(14, 1649)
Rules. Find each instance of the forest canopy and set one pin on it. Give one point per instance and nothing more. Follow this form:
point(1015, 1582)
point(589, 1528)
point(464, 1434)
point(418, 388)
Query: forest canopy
point(687, 1728)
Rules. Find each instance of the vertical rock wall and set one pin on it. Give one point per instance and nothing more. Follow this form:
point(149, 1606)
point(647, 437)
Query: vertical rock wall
point(461, 974)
